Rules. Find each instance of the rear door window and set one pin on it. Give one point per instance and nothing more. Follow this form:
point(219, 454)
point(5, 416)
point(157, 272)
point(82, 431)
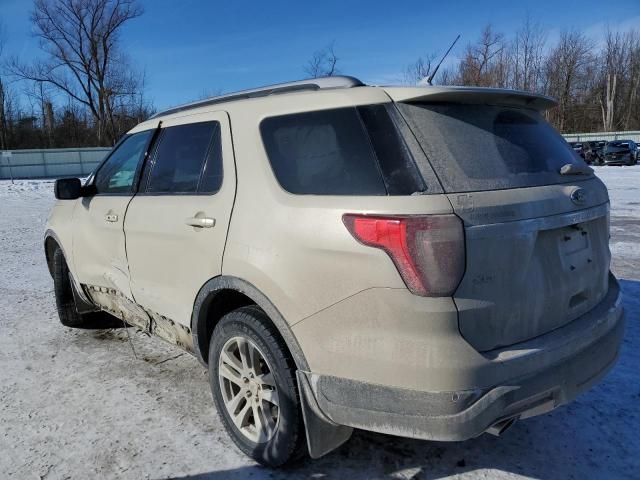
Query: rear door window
point(489, 147)
point(187, 159)
point(346, 151)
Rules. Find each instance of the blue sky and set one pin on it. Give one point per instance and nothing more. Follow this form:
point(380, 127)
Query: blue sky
point(190, 47)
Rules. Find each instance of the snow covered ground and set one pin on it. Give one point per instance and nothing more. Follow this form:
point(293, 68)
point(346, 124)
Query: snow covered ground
point(78, 404)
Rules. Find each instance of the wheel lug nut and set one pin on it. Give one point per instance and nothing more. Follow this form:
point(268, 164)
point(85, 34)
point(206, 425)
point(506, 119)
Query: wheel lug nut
point(245, 379)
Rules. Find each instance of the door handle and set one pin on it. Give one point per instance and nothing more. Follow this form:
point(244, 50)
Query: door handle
point(111, 217)
point(201, 222)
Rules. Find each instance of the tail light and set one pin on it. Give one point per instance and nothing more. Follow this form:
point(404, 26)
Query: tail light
point(428, 250)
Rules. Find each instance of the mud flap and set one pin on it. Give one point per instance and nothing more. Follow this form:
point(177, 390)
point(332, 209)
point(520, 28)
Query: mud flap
point(83, 305)
point(323, 435)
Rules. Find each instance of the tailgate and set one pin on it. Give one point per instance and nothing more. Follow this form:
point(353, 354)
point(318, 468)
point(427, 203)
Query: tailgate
point(537, 258)
point(535, 217)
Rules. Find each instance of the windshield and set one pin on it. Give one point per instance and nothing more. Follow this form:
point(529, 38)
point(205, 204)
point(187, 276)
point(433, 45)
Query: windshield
point(487, 147)
point(617, 146)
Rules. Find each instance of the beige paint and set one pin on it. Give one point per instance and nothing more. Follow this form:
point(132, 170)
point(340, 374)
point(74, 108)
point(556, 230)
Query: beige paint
point(170, 260)
point(98, 249)
point(295, 248)
point(348, 306)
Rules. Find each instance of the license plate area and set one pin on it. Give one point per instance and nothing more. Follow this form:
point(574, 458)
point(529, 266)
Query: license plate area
point(575, 248)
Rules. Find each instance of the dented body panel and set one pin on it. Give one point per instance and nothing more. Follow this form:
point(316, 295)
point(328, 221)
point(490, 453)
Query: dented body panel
point(118, 305)
point(98, 250)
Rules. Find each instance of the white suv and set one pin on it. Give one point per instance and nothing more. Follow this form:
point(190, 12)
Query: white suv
point(428, 262)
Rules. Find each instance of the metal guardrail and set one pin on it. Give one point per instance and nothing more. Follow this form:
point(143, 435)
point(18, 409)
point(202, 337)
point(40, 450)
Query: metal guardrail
point(80, 162)
point(50, 163)
point(606, 136)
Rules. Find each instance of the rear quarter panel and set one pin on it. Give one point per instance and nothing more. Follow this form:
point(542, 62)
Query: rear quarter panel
point(295, 248)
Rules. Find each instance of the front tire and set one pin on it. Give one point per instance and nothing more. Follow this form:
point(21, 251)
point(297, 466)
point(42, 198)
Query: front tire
point(65, 302)
point(252, 377)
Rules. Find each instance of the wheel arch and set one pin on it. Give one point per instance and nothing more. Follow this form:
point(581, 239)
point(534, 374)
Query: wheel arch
point(225, 293)
point(51, 241)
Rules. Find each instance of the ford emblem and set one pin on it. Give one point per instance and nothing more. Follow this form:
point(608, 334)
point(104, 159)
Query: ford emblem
point(579, 196)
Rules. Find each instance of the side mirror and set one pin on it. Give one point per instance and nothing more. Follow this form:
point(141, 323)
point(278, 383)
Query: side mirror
point(69, 189)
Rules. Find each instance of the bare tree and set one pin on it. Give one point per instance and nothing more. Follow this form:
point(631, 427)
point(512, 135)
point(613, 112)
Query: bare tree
point(323, 63)
point(566, 71)
point(3, 117)
point(81, 38)
point(4, 124)
point(618, 79)
point(417, 72)
point(480, 66)
point(39, 96)
point(528, 56)
point(209, 93)
point(446, 76)
point(614, 62)
point(631, 102)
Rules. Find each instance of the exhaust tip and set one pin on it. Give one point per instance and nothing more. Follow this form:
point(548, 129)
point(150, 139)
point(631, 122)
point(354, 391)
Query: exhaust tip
point(502, 426)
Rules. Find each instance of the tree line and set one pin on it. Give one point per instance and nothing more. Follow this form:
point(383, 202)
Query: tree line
point(85, 91)
point(596, 84)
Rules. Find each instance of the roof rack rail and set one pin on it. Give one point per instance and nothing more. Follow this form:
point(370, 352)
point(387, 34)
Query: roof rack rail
point(321, 83)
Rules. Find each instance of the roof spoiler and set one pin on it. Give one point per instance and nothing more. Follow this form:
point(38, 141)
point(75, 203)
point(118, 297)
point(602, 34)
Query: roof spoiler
point(474, 95)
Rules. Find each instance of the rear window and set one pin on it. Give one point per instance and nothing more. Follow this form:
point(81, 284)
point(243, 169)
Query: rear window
point(345, 151)
point(487, 147)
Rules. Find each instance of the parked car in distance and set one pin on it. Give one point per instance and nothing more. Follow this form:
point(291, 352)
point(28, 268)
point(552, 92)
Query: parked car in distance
point(590, 152)
point(621, 152)
point(597, 150)
point(579, 148)
point(430, 262)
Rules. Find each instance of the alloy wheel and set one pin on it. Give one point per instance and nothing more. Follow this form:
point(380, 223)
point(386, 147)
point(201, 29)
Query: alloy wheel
point(248, 389)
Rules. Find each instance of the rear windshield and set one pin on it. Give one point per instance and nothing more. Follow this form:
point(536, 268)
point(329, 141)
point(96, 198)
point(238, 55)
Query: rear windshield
point(487, 147)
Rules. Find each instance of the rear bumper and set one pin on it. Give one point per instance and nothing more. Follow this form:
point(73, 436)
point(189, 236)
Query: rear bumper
point(572, 359)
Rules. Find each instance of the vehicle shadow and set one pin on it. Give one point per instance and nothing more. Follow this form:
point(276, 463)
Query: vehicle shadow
point(596, 436)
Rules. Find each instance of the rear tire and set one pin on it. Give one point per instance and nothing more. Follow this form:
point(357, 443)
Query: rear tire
point(65, 302)
point(258, 381)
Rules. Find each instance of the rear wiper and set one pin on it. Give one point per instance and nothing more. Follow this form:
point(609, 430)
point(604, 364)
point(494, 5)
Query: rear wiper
point(576, 169)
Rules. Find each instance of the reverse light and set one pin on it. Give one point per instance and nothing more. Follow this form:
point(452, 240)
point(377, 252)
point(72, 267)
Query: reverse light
point(427, 250)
